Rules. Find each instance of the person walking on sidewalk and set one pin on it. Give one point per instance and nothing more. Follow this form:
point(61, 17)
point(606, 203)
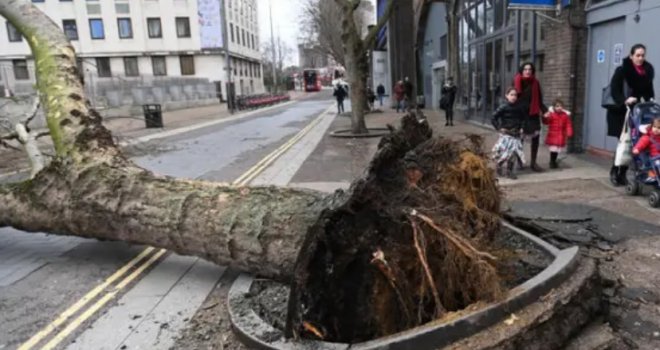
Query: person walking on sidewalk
point(408, 91)
point(509, 119)
point(631, 82)
point(380, 91)
point(448, 92)
point(399, 95)
point(560, 128)
point(531, 100)
point(340, 95)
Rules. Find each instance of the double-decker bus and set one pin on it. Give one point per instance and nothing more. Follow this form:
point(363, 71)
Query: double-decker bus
point(311, 80)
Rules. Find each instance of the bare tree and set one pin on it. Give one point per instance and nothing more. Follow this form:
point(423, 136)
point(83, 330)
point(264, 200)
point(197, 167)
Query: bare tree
point(282, 53)
point(363, 263)
point(453, 61)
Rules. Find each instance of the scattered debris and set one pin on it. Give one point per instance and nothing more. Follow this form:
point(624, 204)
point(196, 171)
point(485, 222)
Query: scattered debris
point(511, 320)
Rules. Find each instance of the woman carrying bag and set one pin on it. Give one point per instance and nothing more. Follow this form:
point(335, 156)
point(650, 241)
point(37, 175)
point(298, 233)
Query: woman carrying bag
point(631, 82)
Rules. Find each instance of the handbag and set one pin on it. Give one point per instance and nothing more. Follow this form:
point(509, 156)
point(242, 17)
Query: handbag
point(623, 153)
point(607, 100)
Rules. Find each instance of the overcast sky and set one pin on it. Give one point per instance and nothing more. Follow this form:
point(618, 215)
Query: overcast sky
point(286, 16)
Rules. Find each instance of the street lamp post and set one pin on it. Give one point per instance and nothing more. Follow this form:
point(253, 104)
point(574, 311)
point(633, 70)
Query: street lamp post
point(225, 38)
point(272, 43)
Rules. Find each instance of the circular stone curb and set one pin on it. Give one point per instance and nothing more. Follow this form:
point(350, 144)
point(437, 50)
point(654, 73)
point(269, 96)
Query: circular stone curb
point(348, 133)
point(256, 333)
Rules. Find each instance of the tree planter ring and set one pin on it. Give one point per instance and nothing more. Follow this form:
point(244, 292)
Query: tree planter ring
point(348, 133)
point(257, 333)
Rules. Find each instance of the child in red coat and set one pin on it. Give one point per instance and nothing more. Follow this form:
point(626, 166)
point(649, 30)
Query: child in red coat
point(560, 128)
point(650, 140)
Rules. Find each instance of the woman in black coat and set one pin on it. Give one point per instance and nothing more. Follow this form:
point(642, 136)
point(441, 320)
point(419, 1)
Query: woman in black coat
point(530, 98)
point(638, 76)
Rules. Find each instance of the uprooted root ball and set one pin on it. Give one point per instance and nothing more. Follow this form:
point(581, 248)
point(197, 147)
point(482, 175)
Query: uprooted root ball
point(404, 245)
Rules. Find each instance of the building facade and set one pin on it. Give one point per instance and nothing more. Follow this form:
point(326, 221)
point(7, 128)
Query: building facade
point(432, 53)
point(147, 51)
point(614, 27)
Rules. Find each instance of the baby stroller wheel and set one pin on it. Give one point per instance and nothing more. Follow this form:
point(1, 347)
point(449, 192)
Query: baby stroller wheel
point(633, 188)
point(654, 199)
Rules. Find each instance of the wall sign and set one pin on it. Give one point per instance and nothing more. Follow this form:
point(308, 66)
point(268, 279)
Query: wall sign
point(532, 4)
point(600, 56)
point(617, 55)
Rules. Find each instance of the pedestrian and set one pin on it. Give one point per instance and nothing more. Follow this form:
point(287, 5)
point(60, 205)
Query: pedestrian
point(340, 95)
point(560, 128)
point(380, 90)
point(408, 91)
point(631, 82)
point(531, 100)
point(399, 96)
point(448, 92)
point(509, 119)
point(371, 97)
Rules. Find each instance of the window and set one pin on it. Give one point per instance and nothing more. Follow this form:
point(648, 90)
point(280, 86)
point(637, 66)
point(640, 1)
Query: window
point(443, 48)
point(243, 35)
point(187, 64)
point(96, 28)
point(13, 33)
point(182, 27)
point(154, 28)
point(131, 66)
point(159, 65)
point(253, 45)
point(125, 28)
point(231, 31)
point(70, 29)
point(20, 70)
point(103, 67)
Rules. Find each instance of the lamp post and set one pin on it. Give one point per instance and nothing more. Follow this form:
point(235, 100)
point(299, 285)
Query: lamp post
point(272, 43)
point(225, 38)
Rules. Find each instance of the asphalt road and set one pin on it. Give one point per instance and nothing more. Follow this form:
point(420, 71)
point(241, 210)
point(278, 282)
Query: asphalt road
point(42, 276)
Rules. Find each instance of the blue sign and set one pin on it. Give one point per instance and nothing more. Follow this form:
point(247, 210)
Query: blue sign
point(532, 4)
point(381, 38)
point(565, 3)
point(600, 56)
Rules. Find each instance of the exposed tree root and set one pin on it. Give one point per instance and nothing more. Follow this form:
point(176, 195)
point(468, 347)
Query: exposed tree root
point(404, 245)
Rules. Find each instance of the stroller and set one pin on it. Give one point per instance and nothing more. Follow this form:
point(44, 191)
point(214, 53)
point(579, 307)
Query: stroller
point(643, 171)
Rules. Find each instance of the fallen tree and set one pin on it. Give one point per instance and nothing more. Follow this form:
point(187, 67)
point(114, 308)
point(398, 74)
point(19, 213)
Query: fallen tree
point(401, 247)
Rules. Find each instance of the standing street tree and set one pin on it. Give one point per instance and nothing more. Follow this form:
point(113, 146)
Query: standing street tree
point(356, 49)
point(392, 252)
point(280, 52)
point(453, 58)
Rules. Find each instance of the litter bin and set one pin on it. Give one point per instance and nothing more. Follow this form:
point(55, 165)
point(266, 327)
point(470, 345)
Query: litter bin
point(153, 117)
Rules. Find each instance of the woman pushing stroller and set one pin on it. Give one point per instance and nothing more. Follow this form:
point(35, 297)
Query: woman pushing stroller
point(509, 120)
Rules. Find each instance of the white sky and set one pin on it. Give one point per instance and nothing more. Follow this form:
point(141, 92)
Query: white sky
point(286, 16)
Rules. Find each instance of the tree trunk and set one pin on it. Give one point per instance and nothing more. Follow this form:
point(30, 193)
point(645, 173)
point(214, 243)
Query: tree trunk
point(257, 229)
point(452, 40)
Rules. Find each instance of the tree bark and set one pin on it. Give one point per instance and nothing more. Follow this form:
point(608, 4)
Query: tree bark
point(256, 229)
point(453, 62)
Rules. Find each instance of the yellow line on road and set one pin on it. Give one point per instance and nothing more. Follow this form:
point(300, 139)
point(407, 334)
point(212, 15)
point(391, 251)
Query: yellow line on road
point(83, 301)
point(99, 304)
point(244, 179)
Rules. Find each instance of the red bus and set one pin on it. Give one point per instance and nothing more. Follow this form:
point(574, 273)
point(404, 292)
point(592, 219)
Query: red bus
point(311, 80)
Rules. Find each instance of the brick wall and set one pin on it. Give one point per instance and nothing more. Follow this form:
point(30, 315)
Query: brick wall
point(566, 49)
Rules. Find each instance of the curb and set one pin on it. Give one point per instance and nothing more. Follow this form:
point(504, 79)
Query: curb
point(256, 333)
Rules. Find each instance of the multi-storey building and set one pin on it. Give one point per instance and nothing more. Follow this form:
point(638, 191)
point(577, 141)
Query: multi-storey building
point(141, 51)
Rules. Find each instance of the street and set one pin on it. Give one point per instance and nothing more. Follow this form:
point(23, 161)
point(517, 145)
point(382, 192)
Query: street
point(41, 275)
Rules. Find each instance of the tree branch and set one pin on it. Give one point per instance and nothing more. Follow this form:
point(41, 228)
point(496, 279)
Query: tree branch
point(33, 113)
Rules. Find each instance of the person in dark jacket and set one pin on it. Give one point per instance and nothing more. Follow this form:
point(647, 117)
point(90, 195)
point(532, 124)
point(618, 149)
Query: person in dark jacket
point(448, 92)
point(631, 82)
point(408, 89)
point(530, 98)
point(509, 119)
point(340, 94)
point(380, 91)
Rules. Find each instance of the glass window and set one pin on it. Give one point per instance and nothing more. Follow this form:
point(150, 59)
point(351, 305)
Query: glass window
point(125, 28)
point(500, 6)
point(159, 65)
point(96, 28)
point(231, 31)
point(187, 64)
point(103, 67)
point(21, 70)
point(443, 47)
point(490, 17)
point(154, 28)
point(182, 27)
point(70, 29)
point(13, 34)
point(131, 66)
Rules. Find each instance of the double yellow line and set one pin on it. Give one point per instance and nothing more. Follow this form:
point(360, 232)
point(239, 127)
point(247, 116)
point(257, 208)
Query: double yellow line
point(139, 264)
